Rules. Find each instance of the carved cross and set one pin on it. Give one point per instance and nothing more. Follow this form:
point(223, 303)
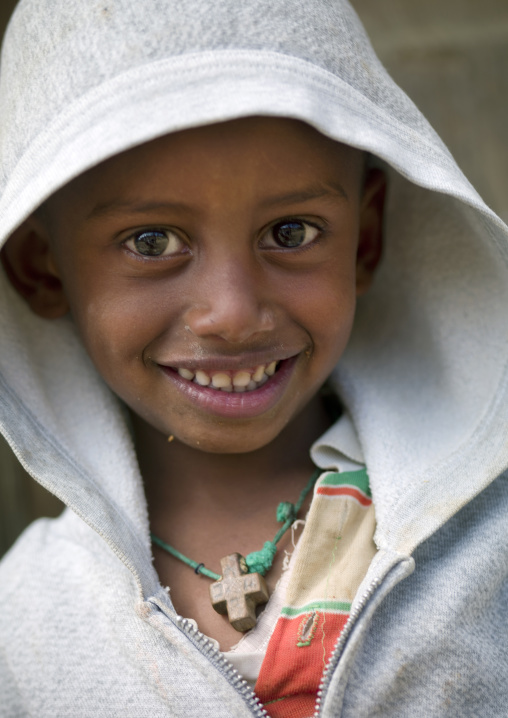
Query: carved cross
point(238, 593)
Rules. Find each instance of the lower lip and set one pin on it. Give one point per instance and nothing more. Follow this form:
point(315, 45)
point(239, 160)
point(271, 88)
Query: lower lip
point(244, 405)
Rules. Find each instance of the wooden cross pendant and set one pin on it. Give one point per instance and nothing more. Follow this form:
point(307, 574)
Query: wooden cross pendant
point(238, 592)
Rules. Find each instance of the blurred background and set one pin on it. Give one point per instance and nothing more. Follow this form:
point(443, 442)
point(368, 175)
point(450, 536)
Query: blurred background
point(451, 57)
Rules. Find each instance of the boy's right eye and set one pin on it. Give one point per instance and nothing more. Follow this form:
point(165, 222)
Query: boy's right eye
point(155, 243)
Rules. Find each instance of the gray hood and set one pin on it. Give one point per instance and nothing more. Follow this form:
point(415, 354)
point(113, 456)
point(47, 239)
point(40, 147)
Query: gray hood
point(424, 376)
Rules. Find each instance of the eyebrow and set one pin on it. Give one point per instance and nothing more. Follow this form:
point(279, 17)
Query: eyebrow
point(316, 191)
point(118, 206)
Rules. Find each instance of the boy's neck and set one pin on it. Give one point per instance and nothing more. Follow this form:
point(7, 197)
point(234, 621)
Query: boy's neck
point(176, 475)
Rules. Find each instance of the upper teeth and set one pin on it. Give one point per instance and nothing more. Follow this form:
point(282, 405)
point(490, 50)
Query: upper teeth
point(243, 380)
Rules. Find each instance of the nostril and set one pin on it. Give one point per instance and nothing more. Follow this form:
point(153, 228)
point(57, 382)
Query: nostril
point(230, 321)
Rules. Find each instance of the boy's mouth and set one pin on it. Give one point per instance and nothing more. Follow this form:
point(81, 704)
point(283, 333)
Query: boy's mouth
point(243, 380)
point(235, 392)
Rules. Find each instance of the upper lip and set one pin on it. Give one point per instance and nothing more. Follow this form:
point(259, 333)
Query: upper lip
point(230, 363)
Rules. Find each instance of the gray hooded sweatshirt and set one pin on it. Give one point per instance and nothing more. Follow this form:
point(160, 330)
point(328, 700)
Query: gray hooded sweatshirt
point(85, 628)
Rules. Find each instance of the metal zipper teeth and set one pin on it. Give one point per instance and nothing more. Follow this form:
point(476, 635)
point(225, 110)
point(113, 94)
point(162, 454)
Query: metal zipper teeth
point(334, 658)
point(223, 665)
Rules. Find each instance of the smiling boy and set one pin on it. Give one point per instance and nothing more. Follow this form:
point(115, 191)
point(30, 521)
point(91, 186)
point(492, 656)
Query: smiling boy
point(179, 279)
point(169, 262)
point(203, 359)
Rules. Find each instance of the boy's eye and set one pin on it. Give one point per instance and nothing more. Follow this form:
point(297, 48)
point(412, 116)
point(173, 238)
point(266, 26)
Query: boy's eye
point(290, 233)
point(155, 243)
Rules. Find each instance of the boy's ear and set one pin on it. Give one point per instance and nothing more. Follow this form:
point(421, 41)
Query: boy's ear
point(370, 241)
point(29, 264)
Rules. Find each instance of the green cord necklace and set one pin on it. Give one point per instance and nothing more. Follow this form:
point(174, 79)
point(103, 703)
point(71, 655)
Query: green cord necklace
point(242, 586)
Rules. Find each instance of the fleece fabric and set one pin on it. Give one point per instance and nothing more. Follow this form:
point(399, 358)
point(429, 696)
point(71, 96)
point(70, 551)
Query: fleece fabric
point(85, 627)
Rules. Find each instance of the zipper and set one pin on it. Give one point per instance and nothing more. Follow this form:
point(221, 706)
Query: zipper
point(339, 646)
point(240, 684)
point(222, 664)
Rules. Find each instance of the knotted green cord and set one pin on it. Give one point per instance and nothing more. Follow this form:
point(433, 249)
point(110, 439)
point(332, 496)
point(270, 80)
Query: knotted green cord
point(261, 561)
point(258, 561)
point(198, 567)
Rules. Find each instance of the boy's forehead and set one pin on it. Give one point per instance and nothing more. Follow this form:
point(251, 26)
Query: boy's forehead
point(283, 146)
point(247, 135)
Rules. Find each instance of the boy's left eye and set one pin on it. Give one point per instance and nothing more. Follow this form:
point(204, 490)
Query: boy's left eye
point(155, 243)
point(290, 234)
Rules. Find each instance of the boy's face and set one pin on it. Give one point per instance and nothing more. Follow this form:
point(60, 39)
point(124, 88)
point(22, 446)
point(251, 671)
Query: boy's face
point(209, 255)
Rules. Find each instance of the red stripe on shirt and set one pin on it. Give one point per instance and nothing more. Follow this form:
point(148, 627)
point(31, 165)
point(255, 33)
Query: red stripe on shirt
point(344, 491)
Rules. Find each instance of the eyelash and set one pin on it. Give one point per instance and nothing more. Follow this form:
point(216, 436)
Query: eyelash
point(297, 221)
point(153, 231)
point(170, 233)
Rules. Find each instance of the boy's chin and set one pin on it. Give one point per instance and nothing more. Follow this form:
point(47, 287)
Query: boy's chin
point(225, 441)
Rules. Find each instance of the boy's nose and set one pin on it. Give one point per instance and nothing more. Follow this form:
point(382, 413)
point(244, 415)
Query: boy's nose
point(230, 301)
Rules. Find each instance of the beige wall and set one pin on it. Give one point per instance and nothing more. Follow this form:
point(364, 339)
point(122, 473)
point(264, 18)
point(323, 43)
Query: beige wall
point(451, 56)
point(6, 9)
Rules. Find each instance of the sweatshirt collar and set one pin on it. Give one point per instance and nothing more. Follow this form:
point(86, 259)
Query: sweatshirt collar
point(338, 448)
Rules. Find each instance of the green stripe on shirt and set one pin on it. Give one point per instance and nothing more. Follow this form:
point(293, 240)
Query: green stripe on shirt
point(359, 479)
point(333, 606)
